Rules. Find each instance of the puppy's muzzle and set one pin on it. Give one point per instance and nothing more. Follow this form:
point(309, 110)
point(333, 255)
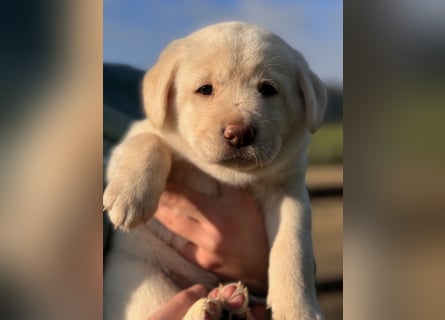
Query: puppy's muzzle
point(239, 135)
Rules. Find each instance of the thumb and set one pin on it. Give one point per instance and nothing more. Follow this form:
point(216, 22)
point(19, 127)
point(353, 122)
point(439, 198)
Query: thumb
point(180, 303)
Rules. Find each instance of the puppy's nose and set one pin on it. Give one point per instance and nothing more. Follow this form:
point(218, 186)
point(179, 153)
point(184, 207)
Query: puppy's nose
point(239, 135)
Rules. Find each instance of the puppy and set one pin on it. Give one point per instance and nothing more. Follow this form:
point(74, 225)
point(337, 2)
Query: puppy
point(231, 103)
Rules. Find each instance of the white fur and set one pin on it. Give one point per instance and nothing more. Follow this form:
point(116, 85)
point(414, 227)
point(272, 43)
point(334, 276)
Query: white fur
point(181, 140)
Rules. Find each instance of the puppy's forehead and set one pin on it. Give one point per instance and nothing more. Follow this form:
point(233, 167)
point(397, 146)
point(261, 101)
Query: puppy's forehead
point(236, 48)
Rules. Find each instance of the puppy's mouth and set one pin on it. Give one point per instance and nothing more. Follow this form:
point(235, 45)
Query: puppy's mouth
point(239, 163)
point(246, 158)
point(243, 156)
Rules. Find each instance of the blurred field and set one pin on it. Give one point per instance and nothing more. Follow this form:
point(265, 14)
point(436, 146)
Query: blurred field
point(324, 179)
point(325, 183)
point(327, 144)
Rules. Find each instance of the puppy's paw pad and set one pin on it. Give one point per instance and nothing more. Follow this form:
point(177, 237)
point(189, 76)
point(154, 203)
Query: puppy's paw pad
point(234, 297)
point(213, 310)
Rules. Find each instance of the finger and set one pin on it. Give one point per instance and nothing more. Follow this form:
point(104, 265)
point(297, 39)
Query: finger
point(177, 307)
point(186, 202)
point(177, 199)
point(185, 219)
point(192, 293)
point(187, 192)
point(173, 218)
point(201, 207)
point(192, 242)
point(201, 257)
point(181, 224)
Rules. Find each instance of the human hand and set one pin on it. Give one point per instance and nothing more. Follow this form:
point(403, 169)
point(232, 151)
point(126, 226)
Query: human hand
point(176, 308)
point(225, 235)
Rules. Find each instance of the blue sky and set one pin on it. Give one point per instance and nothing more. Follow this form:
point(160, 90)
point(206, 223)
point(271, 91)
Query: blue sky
point(136, 31)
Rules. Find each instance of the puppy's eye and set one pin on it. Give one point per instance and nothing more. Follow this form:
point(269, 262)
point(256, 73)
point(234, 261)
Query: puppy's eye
point(267, 90)
point(205, 90)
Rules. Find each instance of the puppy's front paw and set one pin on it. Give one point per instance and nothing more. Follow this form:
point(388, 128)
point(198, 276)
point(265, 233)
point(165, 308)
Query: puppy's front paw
point(234, 298)
point(230, 299)
point(129, 203)
point(205, 309)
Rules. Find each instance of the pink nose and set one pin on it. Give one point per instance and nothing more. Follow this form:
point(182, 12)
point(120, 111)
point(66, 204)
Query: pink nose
point(239, 135)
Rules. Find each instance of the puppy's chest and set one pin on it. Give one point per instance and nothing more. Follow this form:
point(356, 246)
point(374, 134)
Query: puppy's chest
point(186, 174)
point(190, 176)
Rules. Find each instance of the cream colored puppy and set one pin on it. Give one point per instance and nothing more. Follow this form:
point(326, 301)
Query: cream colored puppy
point(235, 103)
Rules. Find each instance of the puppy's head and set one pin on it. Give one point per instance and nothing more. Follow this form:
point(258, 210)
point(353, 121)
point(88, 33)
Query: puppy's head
point(237, 95)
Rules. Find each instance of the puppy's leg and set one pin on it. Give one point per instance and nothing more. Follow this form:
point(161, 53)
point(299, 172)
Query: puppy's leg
point(204, 309)
point(139, 168)
point(291, 267)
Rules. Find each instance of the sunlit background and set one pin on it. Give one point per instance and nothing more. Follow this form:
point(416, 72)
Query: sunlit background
point(136, 31)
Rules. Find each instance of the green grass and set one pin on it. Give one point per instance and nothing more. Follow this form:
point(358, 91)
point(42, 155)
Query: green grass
point(326, 146)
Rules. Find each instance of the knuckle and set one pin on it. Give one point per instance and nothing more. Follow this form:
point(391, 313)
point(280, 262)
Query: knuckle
point(210, 263)
point(216, 240)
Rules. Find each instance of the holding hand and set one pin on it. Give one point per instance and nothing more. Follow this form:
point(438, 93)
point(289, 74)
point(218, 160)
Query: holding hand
point(177, 307)
point(226, 235)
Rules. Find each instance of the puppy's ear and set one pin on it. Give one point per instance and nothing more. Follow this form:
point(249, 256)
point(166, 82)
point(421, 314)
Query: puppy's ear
point(158, 84)
point(314, 96)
